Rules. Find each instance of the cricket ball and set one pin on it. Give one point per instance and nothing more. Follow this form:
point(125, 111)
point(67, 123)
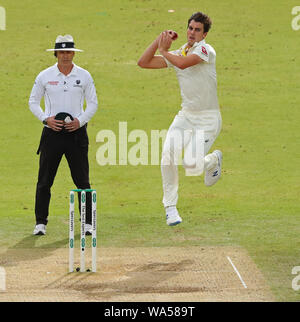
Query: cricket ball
point(173, 34)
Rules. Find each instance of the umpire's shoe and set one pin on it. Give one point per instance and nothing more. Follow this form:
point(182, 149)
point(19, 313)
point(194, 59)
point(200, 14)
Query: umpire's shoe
point(39, 230)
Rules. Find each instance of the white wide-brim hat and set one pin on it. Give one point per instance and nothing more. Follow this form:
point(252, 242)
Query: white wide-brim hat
point(64, 43)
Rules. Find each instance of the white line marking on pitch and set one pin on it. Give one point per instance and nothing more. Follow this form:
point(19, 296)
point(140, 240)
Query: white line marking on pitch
point(237, 272)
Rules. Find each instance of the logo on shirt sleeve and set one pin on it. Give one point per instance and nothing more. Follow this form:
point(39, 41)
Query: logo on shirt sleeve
point(204, 51)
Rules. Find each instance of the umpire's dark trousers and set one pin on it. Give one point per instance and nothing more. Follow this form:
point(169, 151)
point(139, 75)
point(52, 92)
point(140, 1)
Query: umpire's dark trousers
point(53, 145)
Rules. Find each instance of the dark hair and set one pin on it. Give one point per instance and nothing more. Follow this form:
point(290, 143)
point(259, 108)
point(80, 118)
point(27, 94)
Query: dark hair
point(203, 18)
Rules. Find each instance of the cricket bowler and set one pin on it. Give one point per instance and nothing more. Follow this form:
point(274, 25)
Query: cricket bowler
point(195, 67)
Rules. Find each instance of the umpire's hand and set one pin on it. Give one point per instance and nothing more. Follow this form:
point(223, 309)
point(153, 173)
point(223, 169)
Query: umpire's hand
point(55, 125)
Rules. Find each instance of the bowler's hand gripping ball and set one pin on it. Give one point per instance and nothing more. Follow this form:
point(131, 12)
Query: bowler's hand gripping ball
point(173, 34)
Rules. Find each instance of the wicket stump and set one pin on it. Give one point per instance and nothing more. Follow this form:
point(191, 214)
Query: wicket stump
point(82, 229)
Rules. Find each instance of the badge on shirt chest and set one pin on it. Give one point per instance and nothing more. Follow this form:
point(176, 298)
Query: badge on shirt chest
point(77, 83)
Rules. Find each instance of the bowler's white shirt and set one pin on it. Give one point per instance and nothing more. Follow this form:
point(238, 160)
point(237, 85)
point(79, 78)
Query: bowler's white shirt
point(198, 83)
point(64, 94)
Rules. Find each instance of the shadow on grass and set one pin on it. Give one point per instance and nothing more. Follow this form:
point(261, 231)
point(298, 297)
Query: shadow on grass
point(26, 249)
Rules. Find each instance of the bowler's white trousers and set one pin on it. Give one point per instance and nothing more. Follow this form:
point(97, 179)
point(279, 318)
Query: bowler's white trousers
point(183, 135)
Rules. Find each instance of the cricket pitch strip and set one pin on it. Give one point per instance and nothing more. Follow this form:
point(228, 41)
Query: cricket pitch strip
point(145, 274)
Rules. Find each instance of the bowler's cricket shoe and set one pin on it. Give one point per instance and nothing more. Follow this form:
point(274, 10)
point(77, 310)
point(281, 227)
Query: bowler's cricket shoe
point(213, 175)
point(39, 230)
point(88, 229)
point(172, 216)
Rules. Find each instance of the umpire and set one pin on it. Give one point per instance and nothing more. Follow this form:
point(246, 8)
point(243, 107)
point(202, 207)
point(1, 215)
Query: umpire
point(64, 87)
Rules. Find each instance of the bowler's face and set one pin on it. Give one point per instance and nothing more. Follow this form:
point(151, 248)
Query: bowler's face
point(65, 57)
point(195, 32)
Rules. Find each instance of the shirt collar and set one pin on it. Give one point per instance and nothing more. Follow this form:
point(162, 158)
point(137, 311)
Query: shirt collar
point(73, 71)
point(202, 42)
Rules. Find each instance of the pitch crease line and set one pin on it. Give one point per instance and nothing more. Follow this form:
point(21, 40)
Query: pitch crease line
point(237, 272)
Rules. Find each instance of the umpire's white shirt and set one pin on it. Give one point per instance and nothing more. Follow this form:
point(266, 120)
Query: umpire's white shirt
point(198, 83)
point(64, 94)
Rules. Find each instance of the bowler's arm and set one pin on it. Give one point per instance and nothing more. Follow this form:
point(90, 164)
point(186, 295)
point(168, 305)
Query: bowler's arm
point(150, 60)
point(181, 62)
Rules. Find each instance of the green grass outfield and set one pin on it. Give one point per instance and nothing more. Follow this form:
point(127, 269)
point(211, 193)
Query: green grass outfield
point(255, 205)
